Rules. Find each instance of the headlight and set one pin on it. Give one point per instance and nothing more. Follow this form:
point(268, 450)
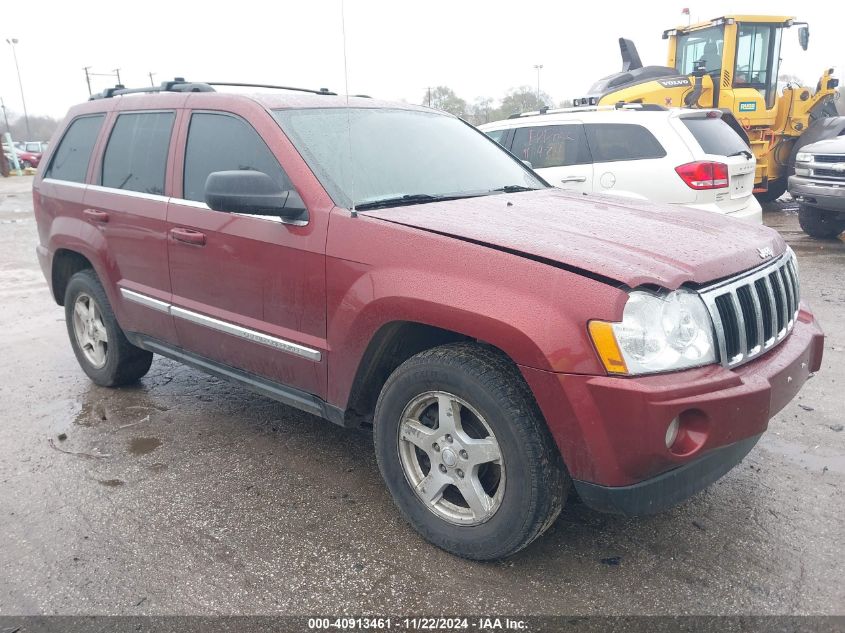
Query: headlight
point(803, 157)
point(656, 334)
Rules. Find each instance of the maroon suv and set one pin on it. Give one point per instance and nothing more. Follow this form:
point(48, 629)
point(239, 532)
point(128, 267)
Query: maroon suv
point(386, 264)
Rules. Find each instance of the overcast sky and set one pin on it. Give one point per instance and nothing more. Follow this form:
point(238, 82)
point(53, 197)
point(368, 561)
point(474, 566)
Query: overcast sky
point(395, 48)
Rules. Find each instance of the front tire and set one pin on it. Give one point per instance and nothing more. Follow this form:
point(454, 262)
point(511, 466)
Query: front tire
point(465, 452)
point(101, 347)
point(820, 223)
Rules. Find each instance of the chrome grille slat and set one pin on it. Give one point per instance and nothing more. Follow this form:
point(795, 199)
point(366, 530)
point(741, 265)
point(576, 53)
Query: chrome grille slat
point(773, 310)
point(784, 309)
point(758, 315)
point(755, 310)
point(790, 300)
point(740, 323)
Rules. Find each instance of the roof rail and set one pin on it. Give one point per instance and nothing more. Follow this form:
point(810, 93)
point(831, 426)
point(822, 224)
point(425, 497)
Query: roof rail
point(621, 105)
point(180, 85)
point(177, 85)
point(321, 91)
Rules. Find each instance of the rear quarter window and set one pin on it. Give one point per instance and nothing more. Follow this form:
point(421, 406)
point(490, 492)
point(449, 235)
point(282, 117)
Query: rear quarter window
point(715, 136)
point(622, 141)
point(70, 161)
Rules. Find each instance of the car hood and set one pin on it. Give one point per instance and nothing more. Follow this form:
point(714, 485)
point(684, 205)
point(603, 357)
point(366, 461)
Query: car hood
point(612, 239)
point(829, 145)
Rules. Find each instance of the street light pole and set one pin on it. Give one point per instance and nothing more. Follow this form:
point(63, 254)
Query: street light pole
point(537, 68)
point(12, 42)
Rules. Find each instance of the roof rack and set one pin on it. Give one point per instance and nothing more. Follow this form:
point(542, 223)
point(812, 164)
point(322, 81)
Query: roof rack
point(621, 105)
point(180, 85)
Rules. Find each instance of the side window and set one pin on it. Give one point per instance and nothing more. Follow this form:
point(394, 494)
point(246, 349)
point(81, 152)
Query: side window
point(498, 136)
point(136, 154)
point(551, 145)
point(70, 161)
point(622, 141)
point(222, 142)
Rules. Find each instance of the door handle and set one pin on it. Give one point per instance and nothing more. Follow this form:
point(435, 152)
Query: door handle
point(96, 216)
point(574, 179)
point(188, 236)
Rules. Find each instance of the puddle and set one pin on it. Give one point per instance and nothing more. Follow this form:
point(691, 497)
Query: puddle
point(92, 413)
point(110, 483)
point(814, 459)
point(143, 445)
point(158, 467)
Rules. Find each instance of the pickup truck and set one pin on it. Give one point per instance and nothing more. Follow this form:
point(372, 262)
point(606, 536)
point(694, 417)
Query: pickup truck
point(386, 265)
point(819, 187)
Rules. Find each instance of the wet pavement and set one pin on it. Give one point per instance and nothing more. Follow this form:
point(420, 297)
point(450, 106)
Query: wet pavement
point(187, 495)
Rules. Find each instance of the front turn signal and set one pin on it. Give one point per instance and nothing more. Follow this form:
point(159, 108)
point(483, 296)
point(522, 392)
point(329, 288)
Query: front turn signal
point(608, 349)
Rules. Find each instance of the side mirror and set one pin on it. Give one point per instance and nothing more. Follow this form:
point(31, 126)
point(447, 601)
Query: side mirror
point(804, 36)
point(248, 191)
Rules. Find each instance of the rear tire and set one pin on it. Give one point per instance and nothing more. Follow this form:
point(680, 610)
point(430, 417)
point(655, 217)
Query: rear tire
point(101, 347)
point(820, 223)
point(477, 473)
point(776, 189)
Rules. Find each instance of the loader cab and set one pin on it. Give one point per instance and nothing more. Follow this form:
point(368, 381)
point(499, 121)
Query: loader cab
point(740, 54)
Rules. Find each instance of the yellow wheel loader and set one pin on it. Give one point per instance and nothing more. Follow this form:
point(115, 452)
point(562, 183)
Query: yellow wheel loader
point(732, 63)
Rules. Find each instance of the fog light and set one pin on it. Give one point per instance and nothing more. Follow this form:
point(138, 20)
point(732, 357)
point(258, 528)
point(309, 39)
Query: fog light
point(672, 432)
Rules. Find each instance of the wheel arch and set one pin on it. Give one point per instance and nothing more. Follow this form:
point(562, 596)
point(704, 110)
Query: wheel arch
point(66, 263)
point(390, 346)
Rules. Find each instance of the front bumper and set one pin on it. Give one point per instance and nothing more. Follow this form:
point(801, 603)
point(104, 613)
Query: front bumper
point(830, 196)
point(611, 431)
point(667, 489)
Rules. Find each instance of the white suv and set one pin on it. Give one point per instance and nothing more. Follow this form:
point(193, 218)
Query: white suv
point(680, 156)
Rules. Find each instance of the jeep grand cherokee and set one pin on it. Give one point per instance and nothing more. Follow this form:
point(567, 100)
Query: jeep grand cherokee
point(387, 264)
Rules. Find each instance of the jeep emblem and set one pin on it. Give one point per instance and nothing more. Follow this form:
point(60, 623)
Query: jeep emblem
point(765, 252)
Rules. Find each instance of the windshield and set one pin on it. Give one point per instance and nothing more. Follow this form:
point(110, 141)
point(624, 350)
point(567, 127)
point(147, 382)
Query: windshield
point(702, 46)
point(397, 153)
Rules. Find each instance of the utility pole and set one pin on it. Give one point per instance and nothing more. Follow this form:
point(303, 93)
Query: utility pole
point(88, 79)
point(538, 67)
point(11, 42)
point(152, 83)
point(429, 96)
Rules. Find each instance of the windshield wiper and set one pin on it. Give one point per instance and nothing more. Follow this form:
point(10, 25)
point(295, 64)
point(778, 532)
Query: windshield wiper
point(742, 152)
point(410, 198)
point(513, 189)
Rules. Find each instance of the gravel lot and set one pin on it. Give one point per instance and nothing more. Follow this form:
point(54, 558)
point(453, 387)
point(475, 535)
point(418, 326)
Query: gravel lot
point(187, 495)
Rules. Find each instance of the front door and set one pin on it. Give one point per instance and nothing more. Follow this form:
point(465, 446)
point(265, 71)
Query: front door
point(248, 291)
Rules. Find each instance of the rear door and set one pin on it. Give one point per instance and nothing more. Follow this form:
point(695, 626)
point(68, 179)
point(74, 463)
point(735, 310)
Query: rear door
point(129, 205)
point(629, 160)
point(557, 152)
point(248, 291)
point(711, 139)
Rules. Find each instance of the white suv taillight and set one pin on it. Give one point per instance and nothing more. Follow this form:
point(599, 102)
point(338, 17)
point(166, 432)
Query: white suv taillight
point(704, 174)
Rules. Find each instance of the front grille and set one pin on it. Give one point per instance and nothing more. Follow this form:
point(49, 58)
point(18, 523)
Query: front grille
point(829, 166)
point(829, 158)
point(755, 311)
